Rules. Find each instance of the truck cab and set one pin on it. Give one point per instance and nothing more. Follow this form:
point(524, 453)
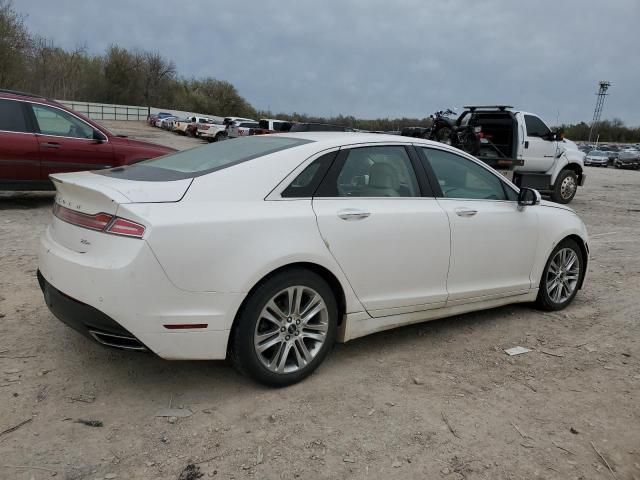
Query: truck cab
point(523, 143)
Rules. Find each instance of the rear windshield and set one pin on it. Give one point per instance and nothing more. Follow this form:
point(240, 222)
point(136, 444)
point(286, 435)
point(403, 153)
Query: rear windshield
point(200, 161)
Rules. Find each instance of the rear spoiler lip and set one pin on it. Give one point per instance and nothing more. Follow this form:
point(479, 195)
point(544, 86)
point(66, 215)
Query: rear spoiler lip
point(115, 192)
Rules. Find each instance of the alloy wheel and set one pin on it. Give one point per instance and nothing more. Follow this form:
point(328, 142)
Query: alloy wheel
point(568, 187)
point(562, 275)
point(291, 329)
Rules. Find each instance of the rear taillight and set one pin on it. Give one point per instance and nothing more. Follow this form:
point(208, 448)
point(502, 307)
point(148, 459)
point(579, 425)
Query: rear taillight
point(122, 226)
point(100, 222)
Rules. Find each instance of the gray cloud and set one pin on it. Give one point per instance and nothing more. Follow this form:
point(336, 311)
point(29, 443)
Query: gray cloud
point(373, 58)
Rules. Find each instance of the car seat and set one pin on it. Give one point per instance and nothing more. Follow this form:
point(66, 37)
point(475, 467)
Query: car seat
point(384, 181)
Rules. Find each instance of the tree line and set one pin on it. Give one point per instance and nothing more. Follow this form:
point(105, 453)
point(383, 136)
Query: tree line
point(613, 131)
point(35, 64)
point(130, 77)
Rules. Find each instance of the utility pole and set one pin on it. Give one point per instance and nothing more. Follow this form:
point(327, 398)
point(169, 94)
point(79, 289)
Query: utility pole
point(602, 94)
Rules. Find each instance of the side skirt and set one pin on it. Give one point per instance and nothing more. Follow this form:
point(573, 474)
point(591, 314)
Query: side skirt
point(359, 324)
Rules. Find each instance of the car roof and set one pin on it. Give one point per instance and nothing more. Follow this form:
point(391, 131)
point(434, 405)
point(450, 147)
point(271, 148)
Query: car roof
point(15, 95)
point(336, 139)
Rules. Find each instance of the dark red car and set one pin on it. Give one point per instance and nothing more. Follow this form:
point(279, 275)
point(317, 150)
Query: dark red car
point(39, 137)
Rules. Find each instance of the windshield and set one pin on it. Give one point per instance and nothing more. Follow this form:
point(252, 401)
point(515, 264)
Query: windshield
point(596, 153)
point(200, 161)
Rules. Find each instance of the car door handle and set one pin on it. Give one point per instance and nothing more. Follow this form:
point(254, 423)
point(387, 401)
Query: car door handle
point(51, 144)
point(353, 214)
point(465, 212)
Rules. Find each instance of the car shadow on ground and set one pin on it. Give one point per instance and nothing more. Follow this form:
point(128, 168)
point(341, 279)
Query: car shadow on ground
point(25, 200)
point(154, 375)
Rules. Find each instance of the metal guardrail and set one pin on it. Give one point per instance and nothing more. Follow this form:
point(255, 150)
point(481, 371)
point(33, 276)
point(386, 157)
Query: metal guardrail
point(103, 111)
point(106, 111)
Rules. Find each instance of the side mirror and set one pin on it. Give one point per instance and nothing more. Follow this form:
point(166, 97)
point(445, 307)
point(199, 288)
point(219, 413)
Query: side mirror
point(528, 197)
point(98, 136)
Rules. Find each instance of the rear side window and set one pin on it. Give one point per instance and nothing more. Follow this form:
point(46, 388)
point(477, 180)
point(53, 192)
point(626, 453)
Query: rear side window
point(53, 121)
point(384, 171)
point(306, 183)
point(535, 126)
point(200, 161)
point(12, 116)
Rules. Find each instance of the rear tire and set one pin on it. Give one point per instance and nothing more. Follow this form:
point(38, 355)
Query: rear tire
point(294, 315)
point(562, 275)
point(566, 187)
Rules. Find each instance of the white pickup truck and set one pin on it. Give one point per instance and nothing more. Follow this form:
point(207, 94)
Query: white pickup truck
point(212, 131)
point(240, 127)
point(187, 126)
point(520, 141)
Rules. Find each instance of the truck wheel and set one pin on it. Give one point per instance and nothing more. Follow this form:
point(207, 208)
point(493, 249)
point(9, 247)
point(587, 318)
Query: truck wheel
point(565, 187)
point(218, 137)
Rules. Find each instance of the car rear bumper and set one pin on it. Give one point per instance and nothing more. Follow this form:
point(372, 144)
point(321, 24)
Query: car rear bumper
point(89, 321)
point(135, 300)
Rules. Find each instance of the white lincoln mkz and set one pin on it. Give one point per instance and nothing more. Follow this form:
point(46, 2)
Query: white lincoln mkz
point(268, 249)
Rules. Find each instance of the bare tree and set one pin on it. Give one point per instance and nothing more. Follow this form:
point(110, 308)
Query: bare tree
point(15, 44)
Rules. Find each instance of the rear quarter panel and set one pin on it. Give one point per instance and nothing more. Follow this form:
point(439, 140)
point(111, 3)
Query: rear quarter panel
point(228, 247)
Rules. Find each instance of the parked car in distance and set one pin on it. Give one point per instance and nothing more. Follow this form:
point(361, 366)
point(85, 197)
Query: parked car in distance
point(597, 158)
point(269, 125)
point(212, 131)
point(271, 247)
point(166, 123)
point(183, 125)
point(239, 128)
point(627, 159)
point(613, 155)
point(192, 128)
point(155, 116)
point(39, 137)
point(180, 125)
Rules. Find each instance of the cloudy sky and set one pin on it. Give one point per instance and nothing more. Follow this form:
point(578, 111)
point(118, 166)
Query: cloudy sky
point(378, 58)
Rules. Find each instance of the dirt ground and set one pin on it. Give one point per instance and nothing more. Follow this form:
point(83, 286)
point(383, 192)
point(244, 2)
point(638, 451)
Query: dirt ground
point(439, 400)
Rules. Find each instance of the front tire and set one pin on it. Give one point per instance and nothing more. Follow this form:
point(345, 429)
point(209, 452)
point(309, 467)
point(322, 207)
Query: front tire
point(566, 187)
point(285, 329)
point(561, 276)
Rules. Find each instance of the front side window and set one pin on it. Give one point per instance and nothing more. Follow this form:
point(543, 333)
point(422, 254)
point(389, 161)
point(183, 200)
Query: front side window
point(12, 117)
point(459, 177)
point(384, 171)
point(535, 127)
point(53, 121)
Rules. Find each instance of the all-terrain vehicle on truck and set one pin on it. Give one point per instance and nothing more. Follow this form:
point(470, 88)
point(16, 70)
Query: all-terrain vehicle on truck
point(521, 142)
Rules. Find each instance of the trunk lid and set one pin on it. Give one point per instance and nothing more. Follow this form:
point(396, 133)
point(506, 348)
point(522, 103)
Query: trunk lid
point(92, 194)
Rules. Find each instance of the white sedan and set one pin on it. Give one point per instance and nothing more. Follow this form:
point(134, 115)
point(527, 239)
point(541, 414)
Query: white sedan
point(270, 248)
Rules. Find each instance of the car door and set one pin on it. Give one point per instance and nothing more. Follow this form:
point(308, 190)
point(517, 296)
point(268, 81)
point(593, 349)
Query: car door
point(390, 238)
point(67, 143)
point(19, 159)
point(493, 240)
point(539, 148)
